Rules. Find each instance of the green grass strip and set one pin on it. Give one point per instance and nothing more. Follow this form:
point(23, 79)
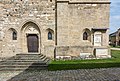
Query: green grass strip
point(87, 64)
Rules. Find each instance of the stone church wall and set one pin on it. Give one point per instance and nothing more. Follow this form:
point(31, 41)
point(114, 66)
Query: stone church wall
point(73, 51)
point(15, 13)
point(73, 17)
point(66, 19)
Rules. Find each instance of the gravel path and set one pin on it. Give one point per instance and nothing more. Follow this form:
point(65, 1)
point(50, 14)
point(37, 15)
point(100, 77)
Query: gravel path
point(109, 74)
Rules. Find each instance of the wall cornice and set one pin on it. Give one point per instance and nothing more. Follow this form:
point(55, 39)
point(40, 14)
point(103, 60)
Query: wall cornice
point(84, 1)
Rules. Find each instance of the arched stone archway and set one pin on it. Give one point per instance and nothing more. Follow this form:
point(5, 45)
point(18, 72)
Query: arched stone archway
point(30, 38)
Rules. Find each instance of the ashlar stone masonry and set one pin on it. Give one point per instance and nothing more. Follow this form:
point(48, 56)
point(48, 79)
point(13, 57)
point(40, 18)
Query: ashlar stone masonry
point(55, 28)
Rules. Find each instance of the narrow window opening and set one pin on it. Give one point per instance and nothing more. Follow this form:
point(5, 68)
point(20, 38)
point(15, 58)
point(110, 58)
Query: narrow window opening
point(14, 36)
point(49, 36)
point(85, 36)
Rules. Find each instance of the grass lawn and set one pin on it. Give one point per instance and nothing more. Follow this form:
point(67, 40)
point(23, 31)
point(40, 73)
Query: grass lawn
point(115, 46)
point(87, 64)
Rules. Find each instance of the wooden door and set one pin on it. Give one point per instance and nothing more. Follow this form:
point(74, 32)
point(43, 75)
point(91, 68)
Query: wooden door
point(32, 43)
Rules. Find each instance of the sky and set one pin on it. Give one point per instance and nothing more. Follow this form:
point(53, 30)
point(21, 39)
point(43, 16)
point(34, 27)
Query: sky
point(114, 15)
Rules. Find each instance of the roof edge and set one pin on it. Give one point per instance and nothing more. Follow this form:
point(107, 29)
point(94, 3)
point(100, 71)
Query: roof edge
point(86, 1)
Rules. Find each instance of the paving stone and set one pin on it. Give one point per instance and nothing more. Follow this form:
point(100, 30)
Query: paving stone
point(108, 74)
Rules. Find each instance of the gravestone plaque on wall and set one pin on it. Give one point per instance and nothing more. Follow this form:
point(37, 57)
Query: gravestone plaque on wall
point(101, 52)
point(97, 40)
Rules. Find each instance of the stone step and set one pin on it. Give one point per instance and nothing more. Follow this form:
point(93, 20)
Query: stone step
point(22, 66)
point(22, 69)
point(45, 59)
point(42, 57)
point(9, 67)
point(25, 61)
point(22, 63)
point(24, 58)
point(12, 60)
point(28, 56)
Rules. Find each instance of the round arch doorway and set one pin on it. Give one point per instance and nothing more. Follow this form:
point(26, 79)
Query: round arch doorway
point(31, 38)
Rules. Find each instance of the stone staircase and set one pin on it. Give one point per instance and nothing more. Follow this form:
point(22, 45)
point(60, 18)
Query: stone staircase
point(25, 62)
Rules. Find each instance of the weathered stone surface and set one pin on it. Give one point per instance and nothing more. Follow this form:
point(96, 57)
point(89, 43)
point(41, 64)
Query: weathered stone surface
point(67, 20)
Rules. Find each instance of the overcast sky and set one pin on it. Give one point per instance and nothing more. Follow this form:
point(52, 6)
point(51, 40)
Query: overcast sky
point(114, 15)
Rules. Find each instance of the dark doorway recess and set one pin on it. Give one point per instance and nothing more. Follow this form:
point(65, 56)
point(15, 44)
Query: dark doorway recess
point(32, 43)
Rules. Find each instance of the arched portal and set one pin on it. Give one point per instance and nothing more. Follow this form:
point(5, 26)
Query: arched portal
point(31, 38)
